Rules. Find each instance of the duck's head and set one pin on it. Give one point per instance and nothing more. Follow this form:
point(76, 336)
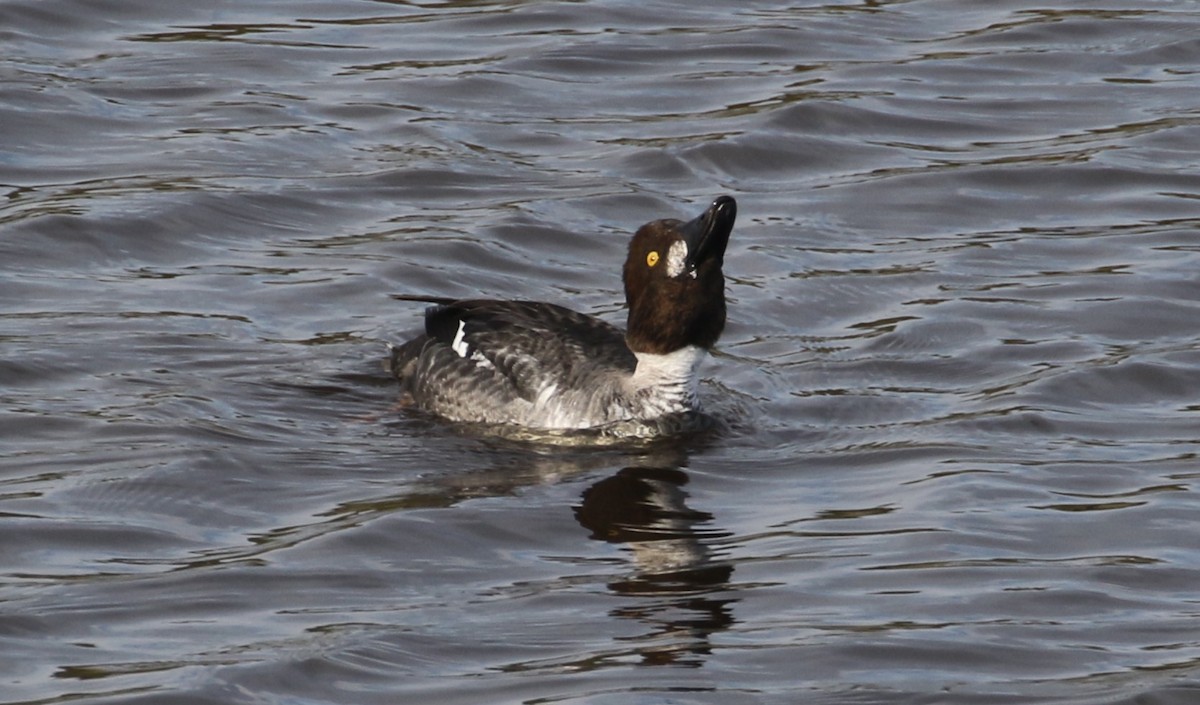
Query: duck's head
point(674, 286)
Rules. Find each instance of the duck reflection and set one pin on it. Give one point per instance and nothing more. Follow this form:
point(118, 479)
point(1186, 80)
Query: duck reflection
point(644, 509)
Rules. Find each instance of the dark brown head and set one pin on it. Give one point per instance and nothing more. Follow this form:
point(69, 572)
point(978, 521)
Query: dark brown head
point(673, 282)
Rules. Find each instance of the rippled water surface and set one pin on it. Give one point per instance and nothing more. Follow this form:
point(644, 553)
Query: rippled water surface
point(961, 379)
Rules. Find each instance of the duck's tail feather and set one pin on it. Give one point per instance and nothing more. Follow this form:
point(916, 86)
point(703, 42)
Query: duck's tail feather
point(436, 300)
point(402, 358)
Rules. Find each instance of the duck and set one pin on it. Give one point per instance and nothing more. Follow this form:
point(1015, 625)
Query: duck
point(539, 365)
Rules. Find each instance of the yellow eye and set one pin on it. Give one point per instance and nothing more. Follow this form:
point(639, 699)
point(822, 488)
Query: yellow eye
point(652, 259)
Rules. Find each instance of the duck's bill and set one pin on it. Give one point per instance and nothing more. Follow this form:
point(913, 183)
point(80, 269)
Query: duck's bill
point(708, 234)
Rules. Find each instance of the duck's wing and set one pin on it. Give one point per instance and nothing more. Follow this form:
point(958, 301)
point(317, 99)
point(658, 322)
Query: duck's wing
point(513, 349)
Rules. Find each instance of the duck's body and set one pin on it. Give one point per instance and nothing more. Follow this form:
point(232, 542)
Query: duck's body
point(539, 365)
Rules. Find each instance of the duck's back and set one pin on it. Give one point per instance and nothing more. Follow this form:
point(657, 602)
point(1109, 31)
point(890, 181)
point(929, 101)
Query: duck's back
point(518, 362)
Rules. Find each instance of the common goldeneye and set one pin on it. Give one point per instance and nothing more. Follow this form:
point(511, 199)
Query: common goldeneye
point(542, 366)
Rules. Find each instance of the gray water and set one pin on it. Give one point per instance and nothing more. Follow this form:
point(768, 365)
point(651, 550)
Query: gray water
point(960, 385)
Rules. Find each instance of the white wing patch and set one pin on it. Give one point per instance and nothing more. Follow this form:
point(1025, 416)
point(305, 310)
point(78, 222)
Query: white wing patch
point(460, 346)
point(482, 361)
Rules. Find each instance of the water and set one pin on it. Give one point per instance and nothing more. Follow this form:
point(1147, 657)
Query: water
point(960, 376)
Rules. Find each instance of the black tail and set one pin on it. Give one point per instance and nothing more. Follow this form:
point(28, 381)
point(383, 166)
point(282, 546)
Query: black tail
point(436, 300)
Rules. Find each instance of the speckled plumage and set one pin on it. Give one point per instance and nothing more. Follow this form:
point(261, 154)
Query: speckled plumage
point(540, 365)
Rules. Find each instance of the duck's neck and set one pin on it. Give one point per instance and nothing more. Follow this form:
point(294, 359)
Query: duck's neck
point(672, 374)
